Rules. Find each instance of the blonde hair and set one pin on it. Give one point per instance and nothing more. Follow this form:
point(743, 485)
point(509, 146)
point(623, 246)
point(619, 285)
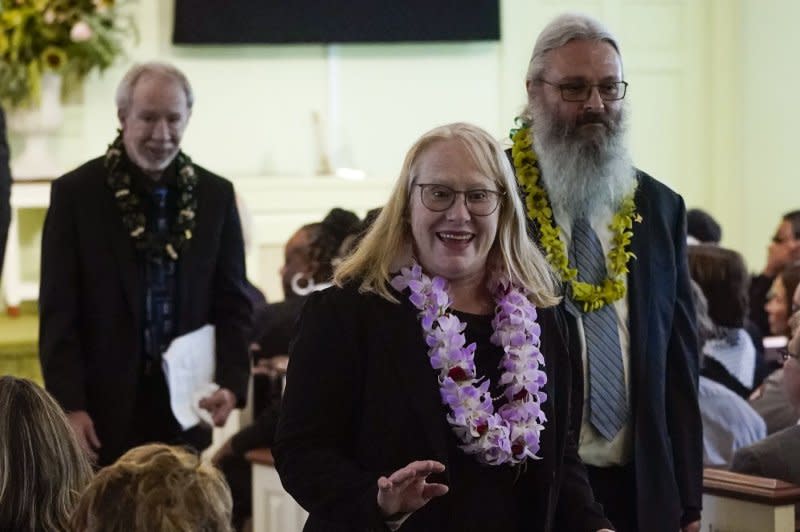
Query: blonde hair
point(387, 245)
point(42, 467)
point(155, 487)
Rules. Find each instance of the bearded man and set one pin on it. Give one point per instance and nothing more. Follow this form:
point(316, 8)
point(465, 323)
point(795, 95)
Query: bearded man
point(617, 238)
point(140, 246)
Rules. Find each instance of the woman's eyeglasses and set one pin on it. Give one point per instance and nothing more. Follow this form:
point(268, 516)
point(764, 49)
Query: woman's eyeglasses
point(479, 201)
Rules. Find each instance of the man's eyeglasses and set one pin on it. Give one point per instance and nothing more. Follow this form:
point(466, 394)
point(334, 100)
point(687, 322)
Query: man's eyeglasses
point(580, 92)
point(479, 201)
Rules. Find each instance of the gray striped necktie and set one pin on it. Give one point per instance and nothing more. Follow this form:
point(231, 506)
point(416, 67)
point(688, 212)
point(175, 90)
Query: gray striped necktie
point(608, 408)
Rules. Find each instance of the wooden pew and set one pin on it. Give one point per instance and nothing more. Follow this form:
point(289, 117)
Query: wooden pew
point(733, 502)
point(274, 510)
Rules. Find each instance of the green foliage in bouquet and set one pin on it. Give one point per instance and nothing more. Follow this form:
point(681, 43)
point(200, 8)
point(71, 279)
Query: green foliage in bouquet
point(69, 37)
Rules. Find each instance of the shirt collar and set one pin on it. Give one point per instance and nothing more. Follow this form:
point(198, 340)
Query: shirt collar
point(168, 178)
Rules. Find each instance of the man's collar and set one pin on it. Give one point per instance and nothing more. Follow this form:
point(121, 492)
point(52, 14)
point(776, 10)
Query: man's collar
point(168, 178)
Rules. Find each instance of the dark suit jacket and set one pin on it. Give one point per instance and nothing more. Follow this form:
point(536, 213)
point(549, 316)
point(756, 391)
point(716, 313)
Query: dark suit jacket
point(5, 188)
point(276, 326)
point(773, 405)
point(362, 401)
point(776, 456)
point(91, 298)
point(759, 288)
point(668, 444)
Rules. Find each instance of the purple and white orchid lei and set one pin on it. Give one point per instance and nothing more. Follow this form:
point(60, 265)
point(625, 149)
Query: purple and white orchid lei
point(509, 435)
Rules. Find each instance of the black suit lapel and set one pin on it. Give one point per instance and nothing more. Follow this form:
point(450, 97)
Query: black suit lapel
point(185, 298)
point(409, 355)
point(190, 256)
point(639, 284)
point(126, 258)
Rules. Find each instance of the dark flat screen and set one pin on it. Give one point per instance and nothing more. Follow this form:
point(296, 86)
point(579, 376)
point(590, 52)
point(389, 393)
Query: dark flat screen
point(319, 21)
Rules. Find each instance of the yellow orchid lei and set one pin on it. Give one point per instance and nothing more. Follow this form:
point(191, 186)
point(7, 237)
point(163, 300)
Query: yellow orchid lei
point(591, 296)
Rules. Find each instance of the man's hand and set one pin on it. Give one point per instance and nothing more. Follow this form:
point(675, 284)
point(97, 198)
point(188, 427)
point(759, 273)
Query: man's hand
point(83, 427)
point(219, 404)
point(406, 490)
point(692, 527)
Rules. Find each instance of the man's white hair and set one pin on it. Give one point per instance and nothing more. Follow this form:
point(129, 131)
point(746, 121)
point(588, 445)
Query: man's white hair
point(561, 30)
point(125, 88)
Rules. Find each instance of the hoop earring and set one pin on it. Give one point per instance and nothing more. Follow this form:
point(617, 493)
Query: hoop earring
point(302, 290)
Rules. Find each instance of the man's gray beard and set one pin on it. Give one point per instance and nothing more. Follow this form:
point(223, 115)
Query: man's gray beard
point(582, 176)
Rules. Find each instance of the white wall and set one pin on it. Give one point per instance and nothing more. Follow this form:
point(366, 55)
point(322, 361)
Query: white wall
point(768, 118)
point(254, 103)
point(711, 99)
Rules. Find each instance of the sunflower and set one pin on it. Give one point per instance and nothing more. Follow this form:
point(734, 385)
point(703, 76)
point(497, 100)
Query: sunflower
point(54, 58)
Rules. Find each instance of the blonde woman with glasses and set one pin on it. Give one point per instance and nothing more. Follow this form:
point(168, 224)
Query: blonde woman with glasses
point(431, 388)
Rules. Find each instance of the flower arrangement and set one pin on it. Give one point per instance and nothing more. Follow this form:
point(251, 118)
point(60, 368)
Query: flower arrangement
point(590, 296)
point(68, 37)
point(510, 433)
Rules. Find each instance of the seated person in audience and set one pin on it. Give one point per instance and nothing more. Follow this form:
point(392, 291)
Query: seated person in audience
point(42, 467)
point(729, 422)
point(769, 399)
point(771, 403)
point(777, 456)
point(383, 421)
point(730, 356)
point(308, 267)
point(784, 249)
point(152, 488)
point(702, 228)
point(780, 300)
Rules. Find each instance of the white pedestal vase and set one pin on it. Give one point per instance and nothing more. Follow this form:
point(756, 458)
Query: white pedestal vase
point(36, 126)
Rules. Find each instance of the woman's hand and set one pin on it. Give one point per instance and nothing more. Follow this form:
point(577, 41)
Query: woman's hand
point(406, 490)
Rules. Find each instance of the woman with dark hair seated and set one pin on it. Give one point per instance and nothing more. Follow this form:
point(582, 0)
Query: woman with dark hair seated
point(729, 422)
point(779, 304)
point(42, 467)
point(729, 353)
point(769, 399)
point(307, 268)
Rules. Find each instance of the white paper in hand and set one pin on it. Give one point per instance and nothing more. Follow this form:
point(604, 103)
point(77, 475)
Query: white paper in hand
point(189, 365)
